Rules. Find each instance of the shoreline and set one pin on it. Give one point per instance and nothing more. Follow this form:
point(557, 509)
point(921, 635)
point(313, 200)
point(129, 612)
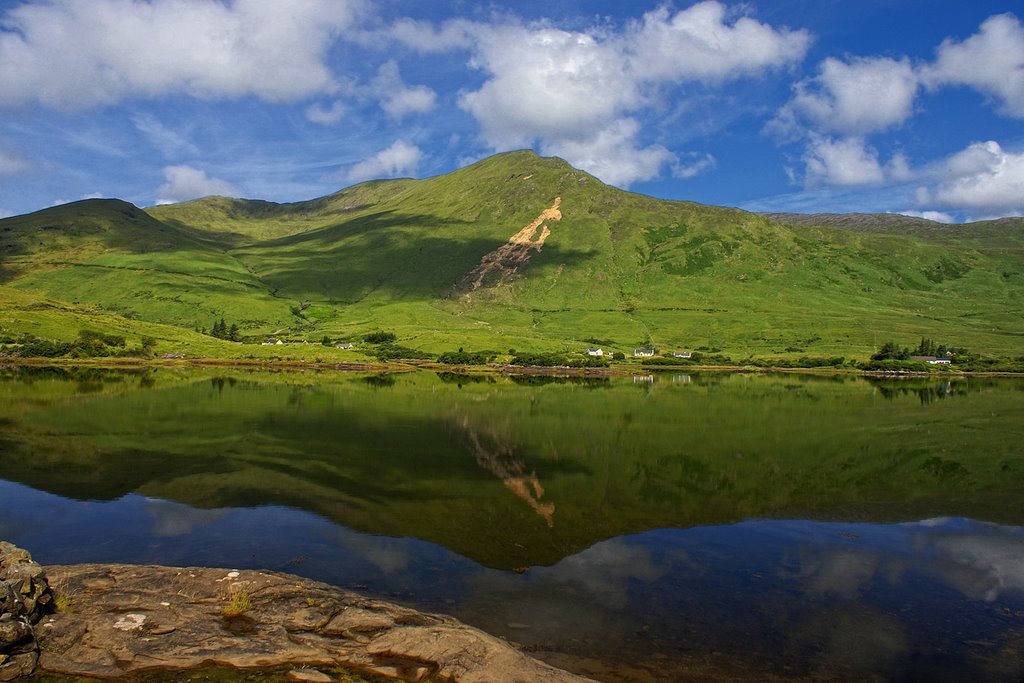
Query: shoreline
point(503, 370)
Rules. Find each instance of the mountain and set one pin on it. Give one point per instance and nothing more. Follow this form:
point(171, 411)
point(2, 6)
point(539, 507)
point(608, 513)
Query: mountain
point(519, 251)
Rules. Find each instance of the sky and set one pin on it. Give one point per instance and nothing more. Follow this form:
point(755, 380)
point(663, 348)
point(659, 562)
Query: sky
point(901, 106)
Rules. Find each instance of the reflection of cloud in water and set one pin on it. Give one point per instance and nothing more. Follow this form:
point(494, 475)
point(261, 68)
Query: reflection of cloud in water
point(983, 563)
point(389, 555)
point(587, 595)
point(174, 519)
point(839, 572)
point(606, 569)
point(977, 559)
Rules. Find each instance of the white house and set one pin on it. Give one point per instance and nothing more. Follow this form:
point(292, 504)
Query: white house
point(643, 353)
point(595, 352)
point(681, 354)
point(933, 360)
point(344, 346)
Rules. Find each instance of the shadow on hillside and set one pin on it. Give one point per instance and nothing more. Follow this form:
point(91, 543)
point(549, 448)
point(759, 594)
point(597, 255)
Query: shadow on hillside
point(413, 257)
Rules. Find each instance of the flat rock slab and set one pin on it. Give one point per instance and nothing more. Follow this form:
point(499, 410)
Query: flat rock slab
point(124, 618)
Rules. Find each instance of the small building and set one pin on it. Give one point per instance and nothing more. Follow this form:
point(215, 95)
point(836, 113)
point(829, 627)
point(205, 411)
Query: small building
point(933, 360)
point(643, 353)
point(681, 354)
point(345, 346)
point(272, 342)
point(595, 352)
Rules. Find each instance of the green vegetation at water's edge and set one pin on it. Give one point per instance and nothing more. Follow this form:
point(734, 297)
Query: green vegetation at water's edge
point(557, 466)
point(628, 270)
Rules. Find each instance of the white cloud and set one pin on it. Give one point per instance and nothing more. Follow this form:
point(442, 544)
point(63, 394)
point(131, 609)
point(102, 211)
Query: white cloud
point(849, 162)
point(185, 182)
point(612, 154)
point(400, 159)
point(397, 98)
point(983, 177)
point(991, 61)
point(866, 95)
point(423, 37)
point(79, 53)
point(326, 116)
point(13, 163)
point(546, 84)
point(698, 43)
point(692, 165)
point(574, 92)
point(937, 216)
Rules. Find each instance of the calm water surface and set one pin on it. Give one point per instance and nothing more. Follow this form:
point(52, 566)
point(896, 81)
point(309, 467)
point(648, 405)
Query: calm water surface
point(677, 527)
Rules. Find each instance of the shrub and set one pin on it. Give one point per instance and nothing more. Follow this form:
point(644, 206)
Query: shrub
point(380, 337)
point(461, 357)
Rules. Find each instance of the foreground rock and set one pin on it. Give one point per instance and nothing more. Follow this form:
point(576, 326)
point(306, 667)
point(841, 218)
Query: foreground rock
point(123, 618)
point(24, 595)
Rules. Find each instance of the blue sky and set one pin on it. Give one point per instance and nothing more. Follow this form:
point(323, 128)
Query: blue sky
point(910, 106)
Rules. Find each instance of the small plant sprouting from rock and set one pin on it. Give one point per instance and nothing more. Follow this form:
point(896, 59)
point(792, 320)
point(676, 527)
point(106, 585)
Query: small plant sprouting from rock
point(239, 602)
point(64, 597)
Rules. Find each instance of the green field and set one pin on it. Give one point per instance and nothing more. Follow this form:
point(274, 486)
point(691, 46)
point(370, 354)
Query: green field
point(619, 270)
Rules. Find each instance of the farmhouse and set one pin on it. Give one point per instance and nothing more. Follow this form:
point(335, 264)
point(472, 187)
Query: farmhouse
point(933, 360)
point(345, 346)
point(272, 342)
point(681, 354)
point(643, 353)
point(595, 352)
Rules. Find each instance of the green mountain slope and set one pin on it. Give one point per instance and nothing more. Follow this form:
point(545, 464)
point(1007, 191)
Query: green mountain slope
point(112, 255)
point(527, 252)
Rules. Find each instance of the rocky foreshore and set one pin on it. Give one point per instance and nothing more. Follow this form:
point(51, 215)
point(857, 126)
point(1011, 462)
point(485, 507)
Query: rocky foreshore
point(117, 619)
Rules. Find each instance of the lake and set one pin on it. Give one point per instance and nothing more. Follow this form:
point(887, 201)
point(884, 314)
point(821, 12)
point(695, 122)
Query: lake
point(662, 527)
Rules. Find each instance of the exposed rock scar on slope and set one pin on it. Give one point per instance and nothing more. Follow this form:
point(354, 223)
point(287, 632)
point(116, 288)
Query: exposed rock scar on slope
point(499, 458)
point(504, 261)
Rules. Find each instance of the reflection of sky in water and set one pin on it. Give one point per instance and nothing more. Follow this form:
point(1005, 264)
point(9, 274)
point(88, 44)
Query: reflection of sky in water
point(941, 599)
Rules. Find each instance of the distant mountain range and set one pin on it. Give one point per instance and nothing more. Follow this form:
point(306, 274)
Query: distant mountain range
point(516, 251)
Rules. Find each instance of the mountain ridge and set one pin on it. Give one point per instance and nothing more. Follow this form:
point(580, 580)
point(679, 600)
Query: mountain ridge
point(617, 266)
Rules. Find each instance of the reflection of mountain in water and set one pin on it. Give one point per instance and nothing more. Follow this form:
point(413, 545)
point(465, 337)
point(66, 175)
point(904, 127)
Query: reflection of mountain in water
point(396, 461)
point(497, 455)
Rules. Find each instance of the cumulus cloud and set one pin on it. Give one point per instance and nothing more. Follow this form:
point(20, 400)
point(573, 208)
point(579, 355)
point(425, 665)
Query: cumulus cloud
point(546, 84)
point(78, 53)
point(991, 61)
point(983, 177)
point(13, 163)
point(326, 116)
point(612, 154)
point(424, 37)
point(849, 162)
point(865, 95)
point(397, 98)
point(400, 159)
point(574, 92)
point(698, 43)
point(182, 183)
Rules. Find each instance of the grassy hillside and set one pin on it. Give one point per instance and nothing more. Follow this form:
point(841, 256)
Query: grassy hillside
point(619, 268)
